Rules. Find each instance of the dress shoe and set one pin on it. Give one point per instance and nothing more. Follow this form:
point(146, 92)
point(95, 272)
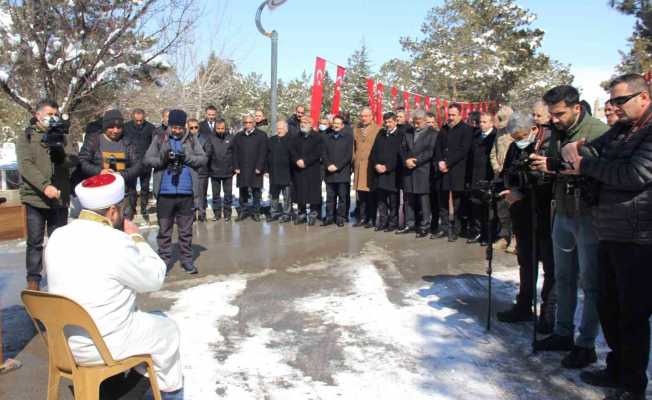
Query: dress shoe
point(326, 222)
point(284, 219)
point(255, 217)
point(241, 217)
point(438, 235)
point(227, 218)
point(579, 357)
point(360, 223)
point(484, 243)
point(390, 229)
point(273, 218)
point(421, 234)
point(217, 216)
point(474, 239)
point(405, 230)
point(380, 228)
point(202, 218)
point(452, 238)
point(600, 378)
point(191, 270)
point(555, 342)
point(369, 225)
point(340, 223)
point(33, 285)
point(312, 221)
point(517, 313)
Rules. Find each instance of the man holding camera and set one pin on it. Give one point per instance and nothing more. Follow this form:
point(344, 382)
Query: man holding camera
point(111, 152)
point(176, 156)
point(45, 159)
point(622, 164)
point(575, 243)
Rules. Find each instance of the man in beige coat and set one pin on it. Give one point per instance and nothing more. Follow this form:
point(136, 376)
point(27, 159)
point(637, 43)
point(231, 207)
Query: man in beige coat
point(364, 137)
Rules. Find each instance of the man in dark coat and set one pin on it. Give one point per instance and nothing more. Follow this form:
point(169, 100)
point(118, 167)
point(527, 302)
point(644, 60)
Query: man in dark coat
point(417, 150)
point(306, 153)
point(203, 139)
point(140, 131)
point(481, 171)
point(249, 160)
point(386, 163)
point(451, 154)
point(112, 151)
point(207, 126)
point(338, 155)
point(279, 166)
point(294, 122)
point(221, 170)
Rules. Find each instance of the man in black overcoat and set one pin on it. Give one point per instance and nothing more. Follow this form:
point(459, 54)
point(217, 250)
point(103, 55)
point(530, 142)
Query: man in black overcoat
point(337, 158)
point(279, 167)
point(306, 151)
point(249, 160)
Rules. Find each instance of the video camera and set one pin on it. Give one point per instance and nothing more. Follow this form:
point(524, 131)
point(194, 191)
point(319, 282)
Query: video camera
point(175, 162)
point(57, 129)
point(520, 175)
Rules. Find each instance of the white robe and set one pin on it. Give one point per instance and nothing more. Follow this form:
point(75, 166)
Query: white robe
point(102, 269)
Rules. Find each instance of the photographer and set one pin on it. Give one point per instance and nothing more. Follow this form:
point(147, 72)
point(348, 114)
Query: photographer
point(622, 164)
point(45, 158)
point(575, 243)
point(176, 156)
point(111, 152)
point(524, 186)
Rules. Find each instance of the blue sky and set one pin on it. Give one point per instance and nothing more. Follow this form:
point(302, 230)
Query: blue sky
point(584, 33)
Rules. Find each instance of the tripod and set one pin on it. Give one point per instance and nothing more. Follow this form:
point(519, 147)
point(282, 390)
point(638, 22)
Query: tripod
point(535, 261)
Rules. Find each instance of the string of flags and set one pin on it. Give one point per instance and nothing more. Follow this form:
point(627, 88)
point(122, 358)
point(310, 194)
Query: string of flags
point(376, 93)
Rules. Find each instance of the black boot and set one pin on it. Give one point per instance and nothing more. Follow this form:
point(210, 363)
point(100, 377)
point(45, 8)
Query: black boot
point(217, 214)
point(555, 342)
point(518, 313)
point(579, 357)
point(546, 322)
point(601, 378)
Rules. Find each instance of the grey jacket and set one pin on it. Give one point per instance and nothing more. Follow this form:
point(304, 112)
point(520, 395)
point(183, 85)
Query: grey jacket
point(158, 153)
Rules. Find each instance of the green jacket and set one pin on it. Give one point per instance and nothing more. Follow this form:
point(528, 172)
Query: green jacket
point(40, 166)
point(589, 128)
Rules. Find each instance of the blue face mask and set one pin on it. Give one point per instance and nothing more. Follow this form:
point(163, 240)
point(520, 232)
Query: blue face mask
point(523, 143)
point(323, 127)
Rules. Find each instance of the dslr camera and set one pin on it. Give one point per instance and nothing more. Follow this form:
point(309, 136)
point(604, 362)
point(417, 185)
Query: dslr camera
point(175, 162)
point(519, 175)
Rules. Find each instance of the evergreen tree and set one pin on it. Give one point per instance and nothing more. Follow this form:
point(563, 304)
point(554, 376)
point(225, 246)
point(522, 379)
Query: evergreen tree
point(639, 57)
point(354, 88)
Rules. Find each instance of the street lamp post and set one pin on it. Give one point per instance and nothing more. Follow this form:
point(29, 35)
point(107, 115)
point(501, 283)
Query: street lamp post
point(271, 4)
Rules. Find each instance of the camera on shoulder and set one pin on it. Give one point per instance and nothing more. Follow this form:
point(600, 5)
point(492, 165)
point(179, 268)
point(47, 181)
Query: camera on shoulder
point(57, 129)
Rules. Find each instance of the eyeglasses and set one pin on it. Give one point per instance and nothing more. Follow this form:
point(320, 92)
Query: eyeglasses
point(621, 100)
point(193, 128)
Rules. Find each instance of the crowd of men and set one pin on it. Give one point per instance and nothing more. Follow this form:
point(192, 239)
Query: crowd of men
point(553, 184)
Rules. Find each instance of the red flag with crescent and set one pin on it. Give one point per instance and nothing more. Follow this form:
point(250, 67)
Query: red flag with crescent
point(406, 103)
point(379, 103)
point(371, 94)
point(445, 111)
point(438, 111)
point(317, 91)
point(427, 104)
point(394, 95)
point(417, 101)
point(341, 71)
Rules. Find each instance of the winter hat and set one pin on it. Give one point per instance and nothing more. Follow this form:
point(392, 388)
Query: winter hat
point(177, 118)
point(101, 191)
point(110, 118)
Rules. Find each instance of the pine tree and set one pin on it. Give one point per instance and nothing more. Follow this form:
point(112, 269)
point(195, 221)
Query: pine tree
point(354, 88)
point(639, 57)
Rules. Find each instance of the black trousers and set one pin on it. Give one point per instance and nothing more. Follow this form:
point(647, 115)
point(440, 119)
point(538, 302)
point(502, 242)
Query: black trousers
point(336, 194)
point(479, 221)
point(254, 208)
point(276, 207)
point(40, 221)
point(443, 210)
point(219, 185)
point(200, 198)
point(434, 209)
point(171, 210)
point(367, 206)
point(417, 211)
point(625, 305)
point(387, 208)
point(144, 179)
point(505, 219)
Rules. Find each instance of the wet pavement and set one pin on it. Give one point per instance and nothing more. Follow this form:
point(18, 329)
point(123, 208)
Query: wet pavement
point(299, 312)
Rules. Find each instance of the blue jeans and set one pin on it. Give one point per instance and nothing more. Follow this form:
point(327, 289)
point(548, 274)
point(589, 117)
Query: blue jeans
point(575, 250)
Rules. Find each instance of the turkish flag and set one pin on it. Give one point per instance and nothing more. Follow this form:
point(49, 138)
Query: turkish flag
point(446, 111)
point(379, 103)
point(393, 95)
point(427, 104)
point(317, 91)
point(371, 94)
point(406, 103)
point(417, 102)
point(341, 71)
point(438, 111)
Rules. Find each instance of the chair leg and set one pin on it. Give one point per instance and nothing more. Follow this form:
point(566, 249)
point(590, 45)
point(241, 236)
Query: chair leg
point(53, 384)
point(156, 392)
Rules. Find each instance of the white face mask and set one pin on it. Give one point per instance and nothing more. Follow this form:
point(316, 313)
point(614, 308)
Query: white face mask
point(323, 127)
point(523, 143)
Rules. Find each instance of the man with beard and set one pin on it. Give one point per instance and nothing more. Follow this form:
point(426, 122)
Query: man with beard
point(279, 167)
point(451, 153)
point(385, 159)
point(338, 152)
point(364, 136)
point(249, 160)
point(221, 171)
point(176, 156)
point(306, 151)
point(111, 152)
point(575, 242)
point(140, 131)
point(417, 149)
point(481, 171)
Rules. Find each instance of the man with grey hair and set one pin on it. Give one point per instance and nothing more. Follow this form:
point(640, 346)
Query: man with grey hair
point(529, 139)
point(279, 167)
point(249, 160)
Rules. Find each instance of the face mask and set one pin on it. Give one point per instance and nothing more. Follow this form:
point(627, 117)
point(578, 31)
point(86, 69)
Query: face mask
point(323, 127)
point(523, 143)
point(305, 129)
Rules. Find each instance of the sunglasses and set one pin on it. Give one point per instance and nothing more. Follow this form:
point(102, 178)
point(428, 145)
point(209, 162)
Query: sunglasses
point(193, 128)
point(621, 100)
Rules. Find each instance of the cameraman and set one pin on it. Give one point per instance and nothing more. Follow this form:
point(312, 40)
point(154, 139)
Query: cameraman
point(176, 157)
point(45, 159)
point(623, 220)
point(575, 243)
point(522, 184)
point(111, 152)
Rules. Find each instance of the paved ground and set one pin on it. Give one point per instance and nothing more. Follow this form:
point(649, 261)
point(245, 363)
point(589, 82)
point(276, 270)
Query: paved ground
point(287, 312)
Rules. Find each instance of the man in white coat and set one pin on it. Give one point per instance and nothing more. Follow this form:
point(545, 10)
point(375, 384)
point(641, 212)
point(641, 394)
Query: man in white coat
point(101, 262)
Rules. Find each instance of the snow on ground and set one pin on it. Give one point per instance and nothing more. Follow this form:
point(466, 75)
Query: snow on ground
point(359, 339)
